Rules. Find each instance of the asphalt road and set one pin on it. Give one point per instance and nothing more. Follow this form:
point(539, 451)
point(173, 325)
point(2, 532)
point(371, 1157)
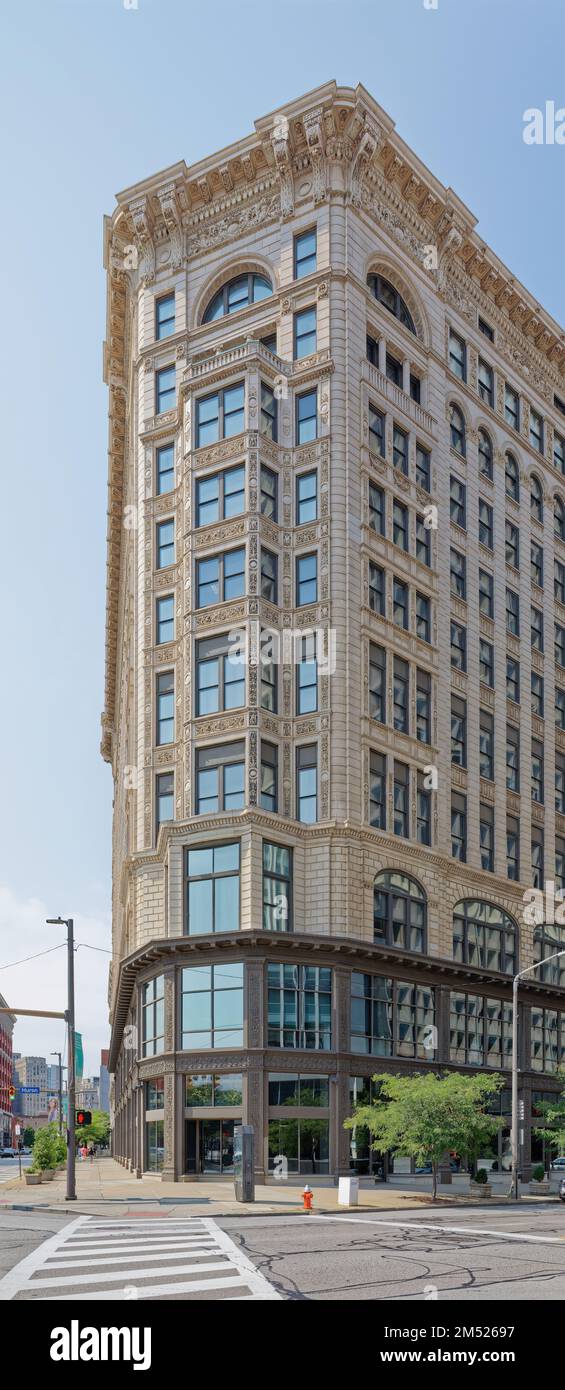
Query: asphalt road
point(9, 1167)
point(457, 1254)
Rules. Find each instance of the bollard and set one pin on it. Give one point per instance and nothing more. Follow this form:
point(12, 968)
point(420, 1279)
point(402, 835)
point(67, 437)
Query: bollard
point(308, 1198)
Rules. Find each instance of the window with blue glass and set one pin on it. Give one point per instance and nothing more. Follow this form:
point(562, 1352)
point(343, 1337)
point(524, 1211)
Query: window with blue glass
point(269, 776)
point(220, 496)
point(304, 253)
point(307, 783)
point(399, 911)
point(306, 579)
point(165, 544)
point(299, 1006)
point(165, 626)
point(307, 417)
point(307, 675)
point(212, 1006)
point(220, 577)
point(277, 887)
point(220, 416)
point(153, 1016)
point(165, 707)
point(220, 675)
point(165, 316)
point(237, 294)
point(212, 889)
point(392, 1018)
point(220, 778)
point(165, 460)
point(304, 332)
point(306, 497)
point(165, 389)
point(164, 797)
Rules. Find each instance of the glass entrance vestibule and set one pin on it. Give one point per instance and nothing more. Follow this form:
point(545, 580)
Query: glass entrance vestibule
point(209, 1146)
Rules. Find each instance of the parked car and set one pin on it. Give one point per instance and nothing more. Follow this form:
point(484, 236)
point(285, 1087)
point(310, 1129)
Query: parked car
point(8, 1153)
point(26, 1149)
point(559, 1164)
point(562, 1189)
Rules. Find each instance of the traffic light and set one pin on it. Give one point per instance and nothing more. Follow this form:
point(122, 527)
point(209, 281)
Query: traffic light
point(83, 1118)
point(12, 1092)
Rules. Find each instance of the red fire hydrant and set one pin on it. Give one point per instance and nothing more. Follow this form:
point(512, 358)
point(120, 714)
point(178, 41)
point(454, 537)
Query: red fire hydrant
point(308, 1198)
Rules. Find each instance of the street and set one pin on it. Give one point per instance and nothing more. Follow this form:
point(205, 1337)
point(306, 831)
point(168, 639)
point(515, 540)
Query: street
point(9, 1167)
point(460, 1254)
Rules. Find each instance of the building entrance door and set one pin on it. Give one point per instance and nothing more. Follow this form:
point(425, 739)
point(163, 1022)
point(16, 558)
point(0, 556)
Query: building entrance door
point(209, 1146)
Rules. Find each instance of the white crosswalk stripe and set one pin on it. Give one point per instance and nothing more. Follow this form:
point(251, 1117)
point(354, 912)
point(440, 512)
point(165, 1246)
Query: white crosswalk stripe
point(122, 1260)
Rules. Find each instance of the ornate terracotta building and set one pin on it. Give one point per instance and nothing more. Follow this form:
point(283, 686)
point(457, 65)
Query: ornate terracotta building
point(335, 664)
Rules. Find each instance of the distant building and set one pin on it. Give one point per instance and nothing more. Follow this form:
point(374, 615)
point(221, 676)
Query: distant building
point(7, 1022)
point(87, 1094)
point(104, 1080)
point(31, 1072)
point(53, 1074)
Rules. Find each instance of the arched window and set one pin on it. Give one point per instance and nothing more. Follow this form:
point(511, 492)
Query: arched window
point(457, 428)
point(485, 454)
point(237, 294)
point(559, 518)
point(391, 300)
point(484, 935)
point(548, 940)
point(399, 911)
point(536, 498)
point(512, 478)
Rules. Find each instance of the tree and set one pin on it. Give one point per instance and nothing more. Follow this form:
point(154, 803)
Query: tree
point(423, 1117)
point(46, 1149)
point(29, 1137)
point(552, 1114)
point(98, 1132)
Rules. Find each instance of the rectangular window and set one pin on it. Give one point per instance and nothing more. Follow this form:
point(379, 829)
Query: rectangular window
point(400, 603)
point(376, 431)
point(486, 382)
point(268, 575)
point(307, 417)
point(212, 889)
point(220, 778)
point(307, 783)
point(304, 333)
point(485, 524)
point(377, 791)
point(212, 1006)
point(486, 744)
point(277, 887)
point(560, 783)
point(537, 771)
point(511, 407)
point(423, 469)
point(306, 498)
point(536, 431)
point(537, 694)
point(458, 572)
point(164, 798)
point(377, 683)
point(165, 625)
point(393, 369)
point(559, 645)
point(268, 490)
point(299, 1007)
point(513, 848)
point(457, 356)
point(220, 416)
point(536, 564)
point(269, 669)
point(537, 629)
point(268, 423)
point(400, 524)
point(512, 613)
point(307, 675)
point(165, 389)
point(486, 662)
point(269, 776)
point(153, 1017)
point(537, 857)
point(165, 461)
point(165, 707)
point(165, 544)
point(304, 253)
point(214, 1090)
point(219, 496)
point(401, 695)
point(377, 515)
point(220, 578)
point(220, 676)
point(559, 865)
point(485, 328)
point(458, 502)
point(459, 827)
point(559, 708)
point(164, 316)
point(376, 589)
point(486, 594)
point(486, 836)
point(423, 618)
point(400, 450)
point(513, 679)
point(458, 647)
point(415, 388)
point(423, 812)
point(559, 582)
point(423, 542)
point(512, 758)
point(372, 351)
point(559, 452)
point(512, 541)
point(423, 707)
point(306, 579)
point(458, 731)
point(401, 799)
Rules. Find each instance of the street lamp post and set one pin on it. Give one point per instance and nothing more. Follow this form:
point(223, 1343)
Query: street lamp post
point(515, 1118)
point(69, 924)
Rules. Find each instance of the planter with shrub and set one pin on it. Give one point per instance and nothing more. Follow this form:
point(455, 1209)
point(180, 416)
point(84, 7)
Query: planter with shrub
point(45, 1153)
point(539, 1183)
point(479, 1185)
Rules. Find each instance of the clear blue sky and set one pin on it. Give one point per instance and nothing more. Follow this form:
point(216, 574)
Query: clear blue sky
point(95, 96)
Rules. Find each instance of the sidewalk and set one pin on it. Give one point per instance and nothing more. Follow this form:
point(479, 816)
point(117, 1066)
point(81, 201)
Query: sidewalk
point(104, 1186)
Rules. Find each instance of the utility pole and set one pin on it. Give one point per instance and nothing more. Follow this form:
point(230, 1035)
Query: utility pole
point(69, 924)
